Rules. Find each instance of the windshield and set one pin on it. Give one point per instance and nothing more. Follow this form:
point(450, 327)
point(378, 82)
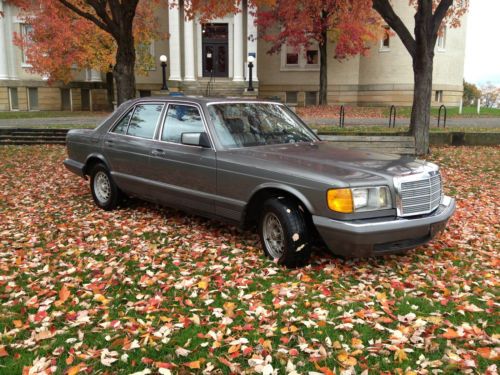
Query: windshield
point(256, 124)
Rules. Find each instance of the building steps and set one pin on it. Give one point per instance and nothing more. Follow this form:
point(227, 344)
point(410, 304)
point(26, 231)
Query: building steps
point(30, 136)
point(386, 144)
point(218, 87)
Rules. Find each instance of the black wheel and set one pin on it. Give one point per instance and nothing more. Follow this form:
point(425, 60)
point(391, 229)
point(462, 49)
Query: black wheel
point(104, 191)
point(284, 232)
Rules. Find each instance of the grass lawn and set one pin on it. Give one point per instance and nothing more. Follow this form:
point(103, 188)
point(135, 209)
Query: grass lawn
point(152, 290)
point(450, 112)
point(397, 129)
point(332, 111)
point(48, 114)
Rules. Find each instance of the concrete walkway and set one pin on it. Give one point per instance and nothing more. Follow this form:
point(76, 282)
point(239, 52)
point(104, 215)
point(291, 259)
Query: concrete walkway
point(85, 121)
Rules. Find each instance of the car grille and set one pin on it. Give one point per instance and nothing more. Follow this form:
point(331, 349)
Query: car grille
point(420, 196)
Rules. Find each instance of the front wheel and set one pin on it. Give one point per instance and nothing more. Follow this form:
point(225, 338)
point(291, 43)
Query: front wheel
point(284, 232)
point(104, 190)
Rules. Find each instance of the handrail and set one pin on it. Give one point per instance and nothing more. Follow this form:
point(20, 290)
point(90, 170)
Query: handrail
point(208, 91)
point(392, 116)
point(342, 117)
point(439, 116)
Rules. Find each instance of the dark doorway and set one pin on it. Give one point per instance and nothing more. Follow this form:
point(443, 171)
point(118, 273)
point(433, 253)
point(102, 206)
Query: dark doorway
point(65, 100)
point(215, 49)
point(85, 99)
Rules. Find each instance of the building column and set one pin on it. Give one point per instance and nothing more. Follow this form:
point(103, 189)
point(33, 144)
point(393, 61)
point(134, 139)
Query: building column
point(238, 45)
point(4, 68)
point(11, 49)
point(174, 42)
point(189, 50)
point(251, 42)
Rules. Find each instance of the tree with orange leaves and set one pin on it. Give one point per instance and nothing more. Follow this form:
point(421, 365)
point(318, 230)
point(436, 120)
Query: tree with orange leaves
point(429, 18)
point(89, 34)
point(349, 24)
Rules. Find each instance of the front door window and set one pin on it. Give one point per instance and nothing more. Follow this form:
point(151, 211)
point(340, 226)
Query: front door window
point(215, 49)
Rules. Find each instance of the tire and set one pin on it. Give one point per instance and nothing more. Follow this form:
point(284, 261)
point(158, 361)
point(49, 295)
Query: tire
point(284, 232)
point(105, 193)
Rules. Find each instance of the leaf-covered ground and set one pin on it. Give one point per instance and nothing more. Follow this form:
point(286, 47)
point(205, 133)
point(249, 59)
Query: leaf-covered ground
point(150, 290)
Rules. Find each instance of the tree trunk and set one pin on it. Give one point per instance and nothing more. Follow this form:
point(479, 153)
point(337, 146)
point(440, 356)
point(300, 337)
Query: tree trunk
point(323, 71)
point(123, 70)
point(110, 88)
point(422, 74)
point(422, 95)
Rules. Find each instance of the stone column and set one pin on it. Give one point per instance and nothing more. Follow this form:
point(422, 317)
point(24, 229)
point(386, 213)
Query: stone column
point(4, 68)
point(174, 43)
point(189, 62)
point(9, 39)
point(238, 46)
point(251, 43)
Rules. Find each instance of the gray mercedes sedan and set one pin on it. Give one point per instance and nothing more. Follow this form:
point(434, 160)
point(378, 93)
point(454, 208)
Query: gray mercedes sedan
point(255, 163)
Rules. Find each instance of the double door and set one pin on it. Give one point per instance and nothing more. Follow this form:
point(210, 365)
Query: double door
point(215, 49)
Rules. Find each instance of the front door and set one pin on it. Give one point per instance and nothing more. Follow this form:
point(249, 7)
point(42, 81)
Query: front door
point(215, 49)
point(185, 176)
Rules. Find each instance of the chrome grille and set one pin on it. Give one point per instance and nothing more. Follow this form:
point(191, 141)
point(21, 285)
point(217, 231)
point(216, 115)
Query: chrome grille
point(420, 196)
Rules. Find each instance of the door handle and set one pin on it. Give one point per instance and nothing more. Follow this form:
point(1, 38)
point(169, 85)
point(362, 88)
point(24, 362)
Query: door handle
point(108, 143)
point(158, 152)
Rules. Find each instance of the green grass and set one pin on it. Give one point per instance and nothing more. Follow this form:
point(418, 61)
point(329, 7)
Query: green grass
point(66, 126)
point(450, 112)
point(397, 129)
point(47, 114)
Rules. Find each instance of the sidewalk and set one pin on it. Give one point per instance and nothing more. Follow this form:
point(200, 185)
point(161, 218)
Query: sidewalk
point(85, 121)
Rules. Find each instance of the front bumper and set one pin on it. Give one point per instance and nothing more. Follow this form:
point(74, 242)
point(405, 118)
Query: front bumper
point(362, 238)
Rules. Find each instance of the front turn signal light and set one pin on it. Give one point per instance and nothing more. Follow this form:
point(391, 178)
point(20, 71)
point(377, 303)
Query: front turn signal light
point(340, 200)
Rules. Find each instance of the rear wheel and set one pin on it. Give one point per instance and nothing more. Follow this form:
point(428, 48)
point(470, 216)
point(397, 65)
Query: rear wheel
point(284, 232)
point(104, 191)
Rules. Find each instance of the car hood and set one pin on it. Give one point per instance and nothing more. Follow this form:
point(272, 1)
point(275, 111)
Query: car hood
point(324, 160)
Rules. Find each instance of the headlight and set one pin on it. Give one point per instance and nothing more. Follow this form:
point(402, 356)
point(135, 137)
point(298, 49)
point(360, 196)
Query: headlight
point(359, 199)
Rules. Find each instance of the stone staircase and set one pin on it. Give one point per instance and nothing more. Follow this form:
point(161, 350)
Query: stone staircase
point(219, 87)
point(403, 145)
point(25, 136)
point(389, 144)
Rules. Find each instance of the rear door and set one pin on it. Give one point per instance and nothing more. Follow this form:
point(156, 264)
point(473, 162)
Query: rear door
point(128, 145)
point(184, 175)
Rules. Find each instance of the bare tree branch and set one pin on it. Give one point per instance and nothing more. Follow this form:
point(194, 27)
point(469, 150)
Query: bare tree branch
point(384, 8)
point(100, 9)
point(439, 15)
point(86, 15)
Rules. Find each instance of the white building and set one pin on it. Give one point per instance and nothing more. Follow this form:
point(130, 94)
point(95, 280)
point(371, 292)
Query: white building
point(212, 58)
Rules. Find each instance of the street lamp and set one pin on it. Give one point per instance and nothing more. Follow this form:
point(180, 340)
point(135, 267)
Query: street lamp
point(251, 59)
point(163, 60)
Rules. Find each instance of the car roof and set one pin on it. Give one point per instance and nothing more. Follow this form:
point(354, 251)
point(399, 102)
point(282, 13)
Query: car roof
point(201, 99)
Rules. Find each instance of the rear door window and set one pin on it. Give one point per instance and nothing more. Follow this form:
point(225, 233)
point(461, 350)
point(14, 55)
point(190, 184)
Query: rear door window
point(121, 127)
point(144, 120)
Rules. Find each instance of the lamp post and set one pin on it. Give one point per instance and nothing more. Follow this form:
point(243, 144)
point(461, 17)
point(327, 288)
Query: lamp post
point(163, 60)
point(251, 59)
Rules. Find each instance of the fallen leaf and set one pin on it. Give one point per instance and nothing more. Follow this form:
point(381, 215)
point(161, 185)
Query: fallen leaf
point(193, 365)
point(3, 352)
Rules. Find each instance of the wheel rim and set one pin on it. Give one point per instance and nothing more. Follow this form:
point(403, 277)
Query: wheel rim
point(274, 236)
point(102, 187)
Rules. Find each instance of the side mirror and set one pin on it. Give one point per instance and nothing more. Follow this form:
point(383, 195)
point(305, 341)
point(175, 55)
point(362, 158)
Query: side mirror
point(195, 139)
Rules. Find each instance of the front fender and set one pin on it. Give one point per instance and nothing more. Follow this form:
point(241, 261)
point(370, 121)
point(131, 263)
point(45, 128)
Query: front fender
point(288, 189)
